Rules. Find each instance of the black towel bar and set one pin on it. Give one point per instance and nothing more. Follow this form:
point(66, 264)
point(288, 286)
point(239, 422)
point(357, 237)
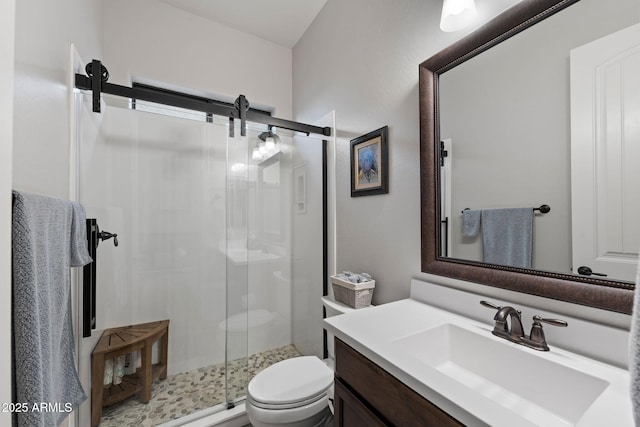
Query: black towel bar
point(543, 209)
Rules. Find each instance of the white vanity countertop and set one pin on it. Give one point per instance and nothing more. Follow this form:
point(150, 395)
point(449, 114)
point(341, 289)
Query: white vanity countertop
point(372, 332)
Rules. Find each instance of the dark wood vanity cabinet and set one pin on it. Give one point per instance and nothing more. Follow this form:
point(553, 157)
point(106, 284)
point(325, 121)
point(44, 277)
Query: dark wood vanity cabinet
point(367, 395)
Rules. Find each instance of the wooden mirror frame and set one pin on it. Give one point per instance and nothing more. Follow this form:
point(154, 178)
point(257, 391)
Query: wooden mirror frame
point(589, 291)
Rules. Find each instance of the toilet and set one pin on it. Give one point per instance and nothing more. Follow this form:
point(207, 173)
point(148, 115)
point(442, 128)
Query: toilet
point(295, 392)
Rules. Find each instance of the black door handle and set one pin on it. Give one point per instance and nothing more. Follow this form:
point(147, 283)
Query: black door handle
point(105, 235)
point(586, 271)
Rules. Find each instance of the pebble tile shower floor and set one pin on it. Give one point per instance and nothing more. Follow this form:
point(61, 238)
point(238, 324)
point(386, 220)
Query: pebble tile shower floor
point(188, 392)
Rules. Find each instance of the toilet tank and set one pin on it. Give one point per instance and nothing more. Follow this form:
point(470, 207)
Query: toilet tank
point(334, 308)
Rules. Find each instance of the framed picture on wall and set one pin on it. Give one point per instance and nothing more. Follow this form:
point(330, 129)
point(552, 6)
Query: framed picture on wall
point(369, 163)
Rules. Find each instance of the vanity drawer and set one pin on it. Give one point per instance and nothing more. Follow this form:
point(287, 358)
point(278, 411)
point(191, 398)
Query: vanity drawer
point(383, 394)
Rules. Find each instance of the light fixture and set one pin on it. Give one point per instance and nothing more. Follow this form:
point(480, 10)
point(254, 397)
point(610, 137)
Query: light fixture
point(255, 154)
point(457, 14)
point(270, 142)
point(268, 146)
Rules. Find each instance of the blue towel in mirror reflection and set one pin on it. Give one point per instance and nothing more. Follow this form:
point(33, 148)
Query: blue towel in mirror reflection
point(471, 222)
point(507, 237)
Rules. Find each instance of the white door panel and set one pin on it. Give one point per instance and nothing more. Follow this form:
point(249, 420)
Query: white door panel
point(605, 154)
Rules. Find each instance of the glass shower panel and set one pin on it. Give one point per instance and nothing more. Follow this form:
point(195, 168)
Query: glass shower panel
point(240, 191)
point(205, 231)
point(307, 266)
point(270, 273)
point(159, 182)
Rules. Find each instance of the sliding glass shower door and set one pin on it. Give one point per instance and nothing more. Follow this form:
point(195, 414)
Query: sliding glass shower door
point(159, 181)
point(259, 254)
point(204, 226)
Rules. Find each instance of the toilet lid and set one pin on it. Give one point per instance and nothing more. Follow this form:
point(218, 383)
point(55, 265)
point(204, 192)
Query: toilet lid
point(289, 381)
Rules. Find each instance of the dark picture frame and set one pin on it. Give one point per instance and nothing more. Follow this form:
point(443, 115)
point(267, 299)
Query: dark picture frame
point(370, 163)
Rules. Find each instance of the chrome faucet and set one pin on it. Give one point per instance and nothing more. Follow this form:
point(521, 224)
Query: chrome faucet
point(513, 330)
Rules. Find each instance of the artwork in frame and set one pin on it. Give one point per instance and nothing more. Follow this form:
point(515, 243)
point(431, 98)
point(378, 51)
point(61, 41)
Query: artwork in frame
point(369, 163)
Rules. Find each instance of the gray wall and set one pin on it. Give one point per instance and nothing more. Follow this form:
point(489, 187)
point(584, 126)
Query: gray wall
point(45, 31)
point(153, 42)
point(360, 57)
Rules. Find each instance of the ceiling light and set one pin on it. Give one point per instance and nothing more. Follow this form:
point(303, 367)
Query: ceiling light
point(267, 146)
point(270, 142)
point(457, 14)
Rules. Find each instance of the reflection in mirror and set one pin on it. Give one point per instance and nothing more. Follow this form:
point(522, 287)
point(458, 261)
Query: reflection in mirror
point(269, 181)
point(504, 119)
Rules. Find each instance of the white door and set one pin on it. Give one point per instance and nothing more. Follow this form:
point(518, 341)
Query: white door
point(605, 154)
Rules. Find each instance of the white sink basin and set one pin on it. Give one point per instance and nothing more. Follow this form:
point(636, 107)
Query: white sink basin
point(482, 380)
point(520, 379)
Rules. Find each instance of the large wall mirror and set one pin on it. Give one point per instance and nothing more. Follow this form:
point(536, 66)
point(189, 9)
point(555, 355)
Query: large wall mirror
point(537, 107)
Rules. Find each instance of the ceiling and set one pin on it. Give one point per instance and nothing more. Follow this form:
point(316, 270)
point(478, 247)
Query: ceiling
point(280, 21)
point(283, 22)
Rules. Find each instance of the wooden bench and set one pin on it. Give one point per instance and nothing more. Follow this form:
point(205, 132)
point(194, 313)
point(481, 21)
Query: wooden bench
point(117, 342)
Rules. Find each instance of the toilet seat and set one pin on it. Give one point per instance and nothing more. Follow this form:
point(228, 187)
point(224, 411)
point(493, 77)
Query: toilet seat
point(291, 383)
point(288, 405)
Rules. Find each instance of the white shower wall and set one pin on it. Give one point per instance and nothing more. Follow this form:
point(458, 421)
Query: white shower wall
point(152, 41)
point(204, 233)
point(159, 183)
point(259, 246)
point(7, 25)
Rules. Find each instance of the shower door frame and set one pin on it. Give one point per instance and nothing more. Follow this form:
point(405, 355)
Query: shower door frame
point(240, 109)
point(97, 84)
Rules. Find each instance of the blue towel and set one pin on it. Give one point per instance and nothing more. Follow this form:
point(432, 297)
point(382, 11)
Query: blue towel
point(507, 236)
point(47, 236)
point(79, 251)
point(471, 220)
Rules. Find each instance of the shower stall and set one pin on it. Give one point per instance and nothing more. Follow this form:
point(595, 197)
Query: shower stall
point(219, 230)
